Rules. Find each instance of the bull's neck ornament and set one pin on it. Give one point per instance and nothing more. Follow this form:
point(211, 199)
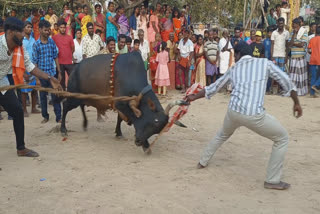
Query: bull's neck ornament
point(111, 80)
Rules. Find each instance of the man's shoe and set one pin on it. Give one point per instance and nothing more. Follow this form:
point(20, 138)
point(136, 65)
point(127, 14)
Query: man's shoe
point(27, 153)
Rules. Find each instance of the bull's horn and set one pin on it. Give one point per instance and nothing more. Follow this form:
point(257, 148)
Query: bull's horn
point(174, 103)
point(178, 123)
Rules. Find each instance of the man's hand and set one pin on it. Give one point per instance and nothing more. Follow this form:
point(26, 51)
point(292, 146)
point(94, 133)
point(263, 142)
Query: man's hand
point(286, 60)
point(26, 77)
point(59, 76)
point(191, 97)
point(55, 84)
point(297, 110)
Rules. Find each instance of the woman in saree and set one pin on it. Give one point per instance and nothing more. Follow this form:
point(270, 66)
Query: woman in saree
point(112, 25)
point(122, 22)
point(153, 27)
point(85, 20)
point(99, 21)
point(153, 56)
point(166, 27)
point(142, 22)
point(200, 64)
point(68, 18)
point(177, 24)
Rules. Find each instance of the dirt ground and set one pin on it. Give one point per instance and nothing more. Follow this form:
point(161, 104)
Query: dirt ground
point(93, 172)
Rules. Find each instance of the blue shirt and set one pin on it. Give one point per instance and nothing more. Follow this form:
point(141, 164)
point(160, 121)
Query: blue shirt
point(267, 48)
point(249, 77)
point(28, 44)
point(133, 22)
point(235, 40)
point(44, 54)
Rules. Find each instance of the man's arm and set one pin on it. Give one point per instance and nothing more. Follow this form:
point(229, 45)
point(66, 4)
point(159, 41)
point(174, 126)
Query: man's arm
point(283, 79)
point(212, 89)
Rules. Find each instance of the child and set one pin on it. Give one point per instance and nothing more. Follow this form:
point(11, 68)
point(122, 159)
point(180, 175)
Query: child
point(162, 73)
point(136, 45)
point(129, 42)
point(55, 29)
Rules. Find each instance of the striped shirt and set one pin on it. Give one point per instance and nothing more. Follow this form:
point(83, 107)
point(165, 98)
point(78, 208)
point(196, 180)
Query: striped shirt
point(212, 48)
point(297, 52)
point(249, 77)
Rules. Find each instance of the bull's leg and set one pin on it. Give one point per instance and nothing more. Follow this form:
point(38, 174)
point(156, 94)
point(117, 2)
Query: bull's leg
point(68, 105)
point(118, 128)
point(85, 121)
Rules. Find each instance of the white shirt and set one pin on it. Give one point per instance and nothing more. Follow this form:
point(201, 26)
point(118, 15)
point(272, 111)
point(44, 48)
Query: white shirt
point(308, 56)
point(279, 47)
point(249, 77)
point(91, 47)
point(224, 56)
point(145, 50)
point(6, 61)
point(77, 54)
point(284, 14)
point(185, 49)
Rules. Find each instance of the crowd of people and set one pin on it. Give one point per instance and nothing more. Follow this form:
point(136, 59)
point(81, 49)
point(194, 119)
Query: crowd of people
point(173, 55)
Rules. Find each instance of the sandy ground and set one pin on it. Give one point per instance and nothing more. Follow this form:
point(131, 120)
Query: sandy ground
point(93, 172)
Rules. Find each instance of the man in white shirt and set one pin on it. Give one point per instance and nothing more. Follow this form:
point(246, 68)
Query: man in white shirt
point(91, 43)
point(12, 39)
point(225, 48)
point(285, 12)
point(145, 51)
point(279, 55)
point(77, 54)
point(186, 49)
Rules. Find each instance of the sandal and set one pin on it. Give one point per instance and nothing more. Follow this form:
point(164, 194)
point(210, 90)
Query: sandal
point(27, 153)
point(280, 186)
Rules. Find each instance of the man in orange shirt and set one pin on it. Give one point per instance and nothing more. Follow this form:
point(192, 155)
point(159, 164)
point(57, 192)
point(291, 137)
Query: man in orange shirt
point(314, 50)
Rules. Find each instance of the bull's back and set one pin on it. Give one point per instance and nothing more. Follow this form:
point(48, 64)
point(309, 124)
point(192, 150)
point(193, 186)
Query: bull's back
point(91, 76)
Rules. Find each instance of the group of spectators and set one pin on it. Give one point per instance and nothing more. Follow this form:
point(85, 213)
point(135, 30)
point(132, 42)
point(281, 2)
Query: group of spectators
point(173, 55)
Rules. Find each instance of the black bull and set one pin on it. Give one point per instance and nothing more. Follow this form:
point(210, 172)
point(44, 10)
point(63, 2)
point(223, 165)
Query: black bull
point(92, 76)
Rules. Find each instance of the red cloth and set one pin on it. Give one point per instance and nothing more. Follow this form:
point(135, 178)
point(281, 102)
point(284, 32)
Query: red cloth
point(64, 44)
point(18, 67)
point(172, 73)
point(182, 110)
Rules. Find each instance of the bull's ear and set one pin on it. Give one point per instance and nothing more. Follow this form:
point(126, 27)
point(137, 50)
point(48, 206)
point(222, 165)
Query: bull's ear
point(151, 105)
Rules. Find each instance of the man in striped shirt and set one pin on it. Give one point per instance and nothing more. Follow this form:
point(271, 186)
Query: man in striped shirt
point(249, 78)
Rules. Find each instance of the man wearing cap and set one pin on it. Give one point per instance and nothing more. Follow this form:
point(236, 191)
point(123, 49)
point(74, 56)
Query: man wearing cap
point(257, 46)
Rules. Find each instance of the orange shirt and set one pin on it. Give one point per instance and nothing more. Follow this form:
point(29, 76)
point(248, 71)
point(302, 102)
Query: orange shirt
point(314, 45)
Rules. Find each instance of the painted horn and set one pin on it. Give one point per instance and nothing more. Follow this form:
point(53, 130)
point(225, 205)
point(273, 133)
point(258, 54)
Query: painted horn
point(174, 103)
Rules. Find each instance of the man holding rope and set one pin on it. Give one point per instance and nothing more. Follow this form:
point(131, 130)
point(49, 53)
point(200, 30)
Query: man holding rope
point(249, 78)
point(14, 57)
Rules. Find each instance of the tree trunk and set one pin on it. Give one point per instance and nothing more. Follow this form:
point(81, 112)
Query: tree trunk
point(264, 15)
point(253, 7)
point(244, 13)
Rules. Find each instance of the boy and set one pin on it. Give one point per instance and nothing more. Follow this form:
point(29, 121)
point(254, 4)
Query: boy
point(136, 45)
point(257, 46)
point(129, 42)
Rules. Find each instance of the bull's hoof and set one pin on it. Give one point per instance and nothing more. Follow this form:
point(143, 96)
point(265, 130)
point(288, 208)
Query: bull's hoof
point(147, 151)
point(64, 134)
point(63, 131)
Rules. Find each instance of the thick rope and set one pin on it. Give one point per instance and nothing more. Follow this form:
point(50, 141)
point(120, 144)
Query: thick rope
point(68, 94)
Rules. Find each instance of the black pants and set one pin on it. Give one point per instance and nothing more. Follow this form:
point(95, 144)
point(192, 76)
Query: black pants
point(11, 104)
point(68, 69)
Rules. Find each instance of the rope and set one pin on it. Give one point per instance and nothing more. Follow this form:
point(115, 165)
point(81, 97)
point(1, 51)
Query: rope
point(68, 94)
